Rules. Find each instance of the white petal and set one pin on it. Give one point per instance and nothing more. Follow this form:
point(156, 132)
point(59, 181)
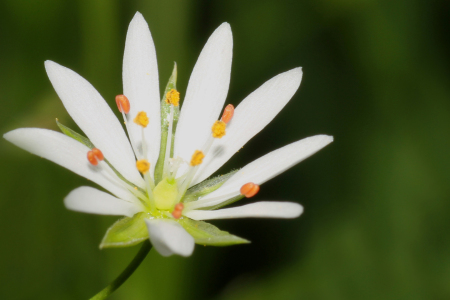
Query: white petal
point(250, 117)
point(95, 118)
point(265, 209)
point(68, 153)
point(92, 201)
point(265, 168)
point(141, 86)
point(168, 237)
point(206, 93)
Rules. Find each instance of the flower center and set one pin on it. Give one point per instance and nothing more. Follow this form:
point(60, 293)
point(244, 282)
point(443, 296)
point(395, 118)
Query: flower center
point(166, 194)
point(165, 199)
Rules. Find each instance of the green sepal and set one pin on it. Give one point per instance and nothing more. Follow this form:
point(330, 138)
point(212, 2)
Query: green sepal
point(206, 187)
point(126, 232)
point(71, 133)
point(85, 141)
point(165, 112)
point(209, 235)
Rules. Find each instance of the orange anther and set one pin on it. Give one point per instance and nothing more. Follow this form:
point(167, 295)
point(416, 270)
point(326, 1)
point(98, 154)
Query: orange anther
point(97, 153)
point(123, 104)
point(176, 214)
point(178, 210)
point(249, 189)
point(228, 113)
point(91, 158)
point(179, 206)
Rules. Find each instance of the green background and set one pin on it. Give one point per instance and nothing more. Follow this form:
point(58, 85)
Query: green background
point(376, 77)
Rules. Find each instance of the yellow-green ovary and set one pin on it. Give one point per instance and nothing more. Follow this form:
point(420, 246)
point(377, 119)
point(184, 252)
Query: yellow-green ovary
point(166, 193)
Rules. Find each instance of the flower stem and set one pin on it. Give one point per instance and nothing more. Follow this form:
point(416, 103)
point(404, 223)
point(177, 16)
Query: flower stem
point(137, 260)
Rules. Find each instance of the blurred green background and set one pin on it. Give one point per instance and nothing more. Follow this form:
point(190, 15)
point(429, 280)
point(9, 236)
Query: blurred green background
point(376, 76)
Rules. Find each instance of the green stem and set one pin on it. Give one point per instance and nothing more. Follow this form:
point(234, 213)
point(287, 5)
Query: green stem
point(103, 294)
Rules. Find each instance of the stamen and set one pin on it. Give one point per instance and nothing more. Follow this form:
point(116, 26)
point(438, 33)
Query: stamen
point(143, 166)
point(218, 129)
point(168, 142)
point(177, 211)
point(249, 189)
point(94, 156)
point(228, 113)
point(197, 158)
point(173, 97)
point(141, 119)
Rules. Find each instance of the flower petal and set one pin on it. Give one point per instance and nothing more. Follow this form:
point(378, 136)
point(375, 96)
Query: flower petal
point(264, 209)
point(67, 153)
point(206, 93)
point(141, 86)
point(95, 118)
point(264, 169)
point(168, 237)
point(92, 201)
point(250, 117)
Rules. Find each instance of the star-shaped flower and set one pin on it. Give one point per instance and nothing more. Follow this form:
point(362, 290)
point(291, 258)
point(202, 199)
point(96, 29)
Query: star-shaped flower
point(157, 176)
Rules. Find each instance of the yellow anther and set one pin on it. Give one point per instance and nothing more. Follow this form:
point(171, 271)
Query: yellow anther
point(197, 158)
point(143, 166)
point(141, 119)
point(218, 129)
point(173, 97)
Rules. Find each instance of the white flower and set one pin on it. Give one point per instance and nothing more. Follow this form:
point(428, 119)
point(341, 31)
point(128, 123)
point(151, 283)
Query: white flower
point(173, 228)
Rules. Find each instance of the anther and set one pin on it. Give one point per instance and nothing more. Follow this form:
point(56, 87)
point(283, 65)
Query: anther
point(143, 166)
point(197, 158)
point(177, 211)
point(249, 189)
point(91, 158)
point(228, 113)
point(173, 97)
point(141, 119)
point(98, 154)
point(218, 129)
point(123, 104)
point(94, 156)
